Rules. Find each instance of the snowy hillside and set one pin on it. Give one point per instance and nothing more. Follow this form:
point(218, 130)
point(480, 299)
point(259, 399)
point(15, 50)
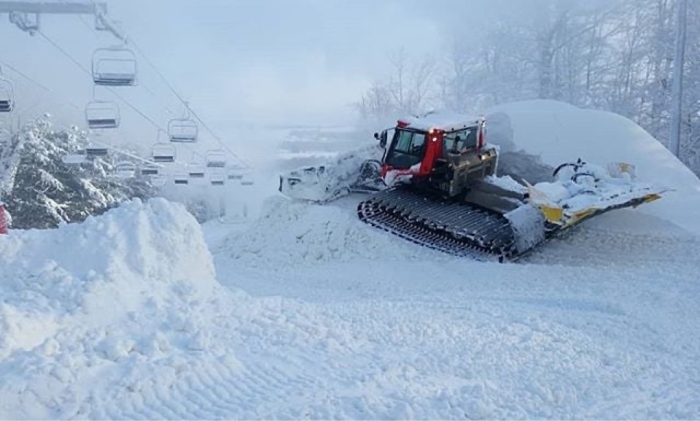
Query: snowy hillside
point(306, 313)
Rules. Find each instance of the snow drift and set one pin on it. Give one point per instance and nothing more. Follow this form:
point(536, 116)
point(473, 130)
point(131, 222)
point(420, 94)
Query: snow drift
point(126, 286)
point(291, 233)
point(553, 132)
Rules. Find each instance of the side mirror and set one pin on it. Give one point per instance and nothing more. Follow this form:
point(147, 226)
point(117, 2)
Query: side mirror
point(382, 138)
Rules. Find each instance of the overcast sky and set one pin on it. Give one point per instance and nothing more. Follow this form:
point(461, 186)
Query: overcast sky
point(237, 61)
point(261, 60)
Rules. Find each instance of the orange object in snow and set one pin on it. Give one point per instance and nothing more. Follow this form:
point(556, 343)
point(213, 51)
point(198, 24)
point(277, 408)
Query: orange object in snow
point(3, 220)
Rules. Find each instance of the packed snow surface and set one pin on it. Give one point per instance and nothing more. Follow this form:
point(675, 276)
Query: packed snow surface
point(595, 325)
point(307, 313)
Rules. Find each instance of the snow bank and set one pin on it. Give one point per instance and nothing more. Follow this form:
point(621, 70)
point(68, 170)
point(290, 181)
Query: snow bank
point(557, 132)
point(293, 233)
point(328, 181)
point(80, 300)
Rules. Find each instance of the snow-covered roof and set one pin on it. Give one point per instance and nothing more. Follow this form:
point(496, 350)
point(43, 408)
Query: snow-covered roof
point(443, 120)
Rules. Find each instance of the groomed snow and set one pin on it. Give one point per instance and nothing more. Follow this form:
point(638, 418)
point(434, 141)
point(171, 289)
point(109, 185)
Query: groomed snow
point(592, 326)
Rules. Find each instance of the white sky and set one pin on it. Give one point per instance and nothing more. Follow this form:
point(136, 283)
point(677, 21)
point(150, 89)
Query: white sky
point(237, 61)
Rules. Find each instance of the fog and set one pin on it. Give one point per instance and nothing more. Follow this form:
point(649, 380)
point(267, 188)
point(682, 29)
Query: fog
point(238, 62)
point(244, 64)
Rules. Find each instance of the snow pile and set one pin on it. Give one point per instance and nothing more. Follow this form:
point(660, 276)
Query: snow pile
point(552, 133)
point(325, 182)
point(443, 119)
point(528, 224)
point(96, 298)
point(292, 233)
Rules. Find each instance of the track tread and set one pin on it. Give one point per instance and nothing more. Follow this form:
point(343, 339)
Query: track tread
point(449, 226)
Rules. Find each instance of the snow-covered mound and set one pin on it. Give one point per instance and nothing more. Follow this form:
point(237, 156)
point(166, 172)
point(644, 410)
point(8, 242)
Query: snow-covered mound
point(77, 301)
point(329, 180)
point(556, 132)
point(291, 233)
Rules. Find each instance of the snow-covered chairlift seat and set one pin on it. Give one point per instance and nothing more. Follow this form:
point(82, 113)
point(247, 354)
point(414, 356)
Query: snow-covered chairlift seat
point(102, 115)
point(114, 67)
point(183, 131)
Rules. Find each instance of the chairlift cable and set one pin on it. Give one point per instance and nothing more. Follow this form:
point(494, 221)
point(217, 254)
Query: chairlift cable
point(149, 90)
point(111, 147)
point(77, 63)
point(35, 82)
point(182, 100)
point(178, 96)
point(144, 116)
point(166, 108)
point(42, 86)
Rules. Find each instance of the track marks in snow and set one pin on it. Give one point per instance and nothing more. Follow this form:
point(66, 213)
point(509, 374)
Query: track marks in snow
point(622, 240)
point(481, 340)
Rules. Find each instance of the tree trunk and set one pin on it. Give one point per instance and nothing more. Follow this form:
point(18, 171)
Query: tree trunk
point(678, 64)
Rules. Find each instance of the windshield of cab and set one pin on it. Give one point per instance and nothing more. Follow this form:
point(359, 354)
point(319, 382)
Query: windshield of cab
point(461, 140)
point(407, 149)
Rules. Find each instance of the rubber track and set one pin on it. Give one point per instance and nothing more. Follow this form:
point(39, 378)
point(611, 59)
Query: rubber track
point(452, 227)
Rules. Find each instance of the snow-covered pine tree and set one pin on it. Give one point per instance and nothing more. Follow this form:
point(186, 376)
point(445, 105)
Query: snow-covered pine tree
point(47, 192)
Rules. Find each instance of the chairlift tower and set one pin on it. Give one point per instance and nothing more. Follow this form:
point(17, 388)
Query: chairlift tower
point(26, 15)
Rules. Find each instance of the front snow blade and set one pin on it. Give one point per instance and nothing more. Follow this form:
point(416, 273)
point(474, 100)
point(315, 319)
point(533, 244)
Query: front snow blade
point(590, 190)
point(355, 171)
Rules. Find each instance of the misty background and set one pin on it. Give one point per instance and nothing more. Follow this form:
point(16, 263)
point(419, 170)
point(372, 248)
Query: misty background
point(245, 65)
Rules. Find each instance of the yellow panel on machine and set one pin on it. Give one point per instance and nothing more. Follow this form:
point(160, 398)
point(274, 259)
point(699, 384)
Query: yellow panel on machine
point(592, 193)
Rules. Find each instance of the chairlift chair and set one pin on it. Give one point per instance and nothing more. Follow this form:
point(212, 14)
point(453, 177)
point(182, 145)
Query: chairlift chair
point(235, 173)
point(7, 96)
point(96, 151)
point(164, 153)
point(217, 179)
point(152, 170)
point(125, 169)
point(115, 66)
point(183, 130)
point(74, 159)
point(158, 180)
point(196, 172)
point(216, 159)
point(6, 105)
point(102, 115)
point(180, 179)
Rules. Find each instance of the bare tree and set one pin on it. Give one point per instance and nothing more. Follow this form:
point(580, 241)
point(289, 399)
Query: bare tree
point(409, 89)
point(615, 55)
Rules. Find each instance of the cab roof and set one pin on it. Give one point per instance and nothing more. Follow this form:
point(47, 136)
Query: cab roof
point(442, 120)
